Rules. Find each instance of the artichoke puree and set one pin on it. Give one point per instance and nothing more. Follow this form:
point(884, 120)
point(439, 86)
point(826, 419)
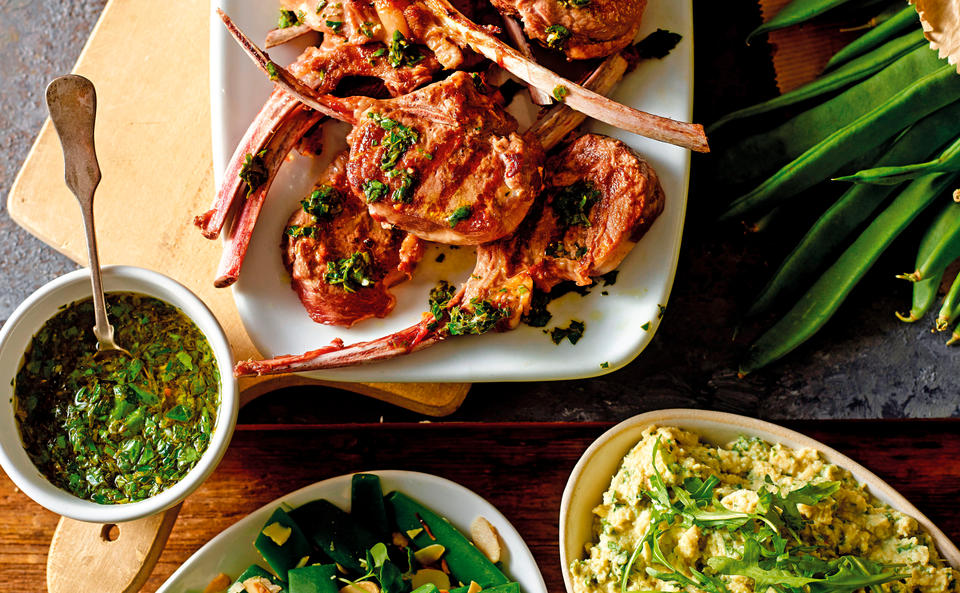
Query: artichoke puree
point(771, 519)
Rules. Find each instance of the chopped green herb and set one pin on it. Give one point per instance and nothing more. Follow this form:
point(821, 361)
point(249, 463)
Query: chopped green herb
point(572, 332)
point(645, 326)
point(402, 52)
point(557, 36)
point(610, 278)
point(560, 93)
point(404, 192)
point(321, 5)
point(272, 71)
point(572, 204)
point(604, 365)
point(478, 82)
point(440, 295)
point(440, 258)
point(460, 214)
point(254, 172)
point(538, 316)
point(482, 317)
point(335, 25)
point(574, 3)
point(323, 203)
point(380, 51)
point(660, 310)
point(351, 273)
point(366, 29)
point(374, 190)
point(297, 231)
point(116, 429)
point(398, 139)
point(288, 18)
point(657, 44)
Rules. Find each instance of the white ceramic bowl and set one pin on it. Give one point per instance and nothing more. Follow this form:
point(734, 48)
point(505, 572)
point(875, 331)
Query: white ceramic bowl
point(591, 476)
point(14, 339)
point(232, 551)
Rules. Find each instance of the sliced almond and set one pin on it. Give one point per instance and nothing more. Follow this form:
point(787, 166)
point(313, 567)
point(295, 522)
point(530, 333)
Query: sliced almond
point(361, 587)
point(486, 539)
point(426, 576)
point(218, 584)
point(412, 533)
point(429, 555)
point(474, 587)
point(277, 532)
point(260, 585)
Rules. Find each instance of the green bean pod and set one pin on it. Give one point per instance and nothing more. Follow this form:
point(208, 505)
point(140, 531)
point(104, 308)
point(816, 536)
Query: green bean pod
point(944, 245)
point(854, 207)
point(856, 70)
point(754, 158)
point(823, 299)
point(366, 504)
point(466, 562)
point(947, 162)
point(798, 11)
point(318, 578)
point(287, 552)
point(955, 337)
point(924, 295)
point(918, 100)
point(904, 20)
point(951, 307)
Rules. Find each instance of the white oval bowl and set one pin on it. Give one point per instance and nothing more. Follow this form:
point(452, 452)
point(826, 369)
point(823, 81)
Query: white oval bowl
point(15, 337)
point(232, 551)
point(592, 474)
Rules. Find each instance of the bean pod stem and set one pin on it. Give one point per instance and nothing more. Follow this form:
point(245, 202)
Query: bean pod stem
point(951, 307)
point(890, 28)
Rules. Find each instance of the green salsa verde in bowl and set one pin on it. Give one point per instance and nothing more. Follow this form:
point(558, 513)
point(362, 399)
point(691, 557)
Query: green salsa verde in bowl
point(109, 438)
point(112, 428)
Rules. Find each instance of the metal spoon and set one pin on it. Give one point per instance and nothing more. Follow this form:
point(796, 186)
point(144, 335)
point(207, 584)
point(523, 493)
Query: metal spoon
point(72, 102)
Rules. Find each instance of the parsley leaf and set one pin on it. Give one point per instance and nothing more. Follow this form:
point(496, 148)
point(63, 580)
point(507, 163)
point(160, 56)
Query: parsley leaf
point(351, 273)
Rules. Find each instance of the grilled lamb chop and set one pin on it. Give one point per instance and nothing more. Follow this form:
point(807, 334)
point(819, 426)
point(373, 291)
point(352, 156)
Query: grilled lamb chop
point(444, 162)
point(455, 26)
point(601, 198)
point(340, 261)
point(582, 29)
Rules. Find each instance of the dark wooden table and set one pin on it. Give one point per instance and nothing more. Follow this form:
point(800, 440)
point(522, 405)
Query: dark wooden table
point(521, 468)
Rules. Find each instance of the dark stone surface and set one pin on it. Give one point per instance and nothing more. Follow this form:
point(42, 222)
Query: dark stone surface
point(865, 363)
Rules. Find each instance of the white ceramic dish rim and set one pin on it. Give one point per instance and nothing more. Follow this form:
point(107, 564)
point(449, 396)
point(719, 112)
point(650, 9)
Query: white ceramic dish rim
point(19, 330)
point(581, 498)
point(449, 499)
point(492, 357)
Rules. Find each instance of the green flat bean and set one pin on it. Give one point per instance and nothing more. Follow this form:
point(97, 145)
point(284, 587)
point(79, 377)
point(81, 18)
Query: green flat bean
point(466, 562)
point(853, 208)
point(854, 71)
point(944, 245)
point(293, 549)
point(905, 19)
point(318, 578)
point(951, 306)
point(823, 299)
point(947, 162)
point(366, 504)
point(798, 11)
point(753, 158)
point(916, 101)
point(924, 295)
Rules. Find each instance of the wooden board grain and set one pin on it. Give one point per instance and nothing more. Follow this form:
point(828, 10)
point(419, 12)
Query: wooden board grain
point(149, 62)
point(520, 468)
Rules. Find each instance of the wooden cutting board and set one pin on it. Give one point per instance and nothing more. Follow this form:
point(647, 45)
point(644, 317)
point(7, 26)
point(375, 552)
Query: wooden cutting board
point(149, 61)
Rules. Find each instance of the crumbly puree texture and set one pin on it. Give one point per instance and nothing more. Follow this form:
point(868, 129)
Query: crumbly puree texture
point(847, 522)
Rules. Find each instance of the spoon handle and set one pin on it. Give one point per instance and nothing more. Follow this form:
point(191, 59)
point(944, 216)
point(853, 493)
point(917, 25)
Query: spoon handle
point(72, 102)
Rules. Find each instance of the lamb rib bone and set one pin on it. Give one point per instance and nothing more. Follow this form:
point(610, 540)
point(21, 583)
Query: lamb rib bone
point(515, 31)
point(557, 123)
point(466, 32)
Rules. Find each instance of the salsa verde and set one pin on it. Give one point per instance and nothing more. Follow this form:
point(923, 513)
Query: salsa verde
point(110, 428)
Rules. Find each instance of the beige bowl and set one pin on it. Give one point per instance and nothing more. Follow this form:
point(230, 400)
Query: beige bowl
point(591, 476)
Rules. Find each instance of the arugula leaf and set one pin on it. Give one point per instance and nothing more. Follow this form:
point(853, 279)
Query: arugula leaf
point(749, 566)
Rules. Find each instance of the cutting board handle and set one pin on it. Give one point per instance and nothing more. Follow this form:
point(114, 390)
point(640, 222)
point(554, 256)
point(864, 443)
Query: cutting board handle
point(111, 558)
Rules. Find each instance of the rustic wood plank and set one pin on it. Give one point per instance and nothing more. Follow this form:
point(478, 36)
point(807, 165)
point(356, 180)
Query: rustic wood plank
point(520, 468)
